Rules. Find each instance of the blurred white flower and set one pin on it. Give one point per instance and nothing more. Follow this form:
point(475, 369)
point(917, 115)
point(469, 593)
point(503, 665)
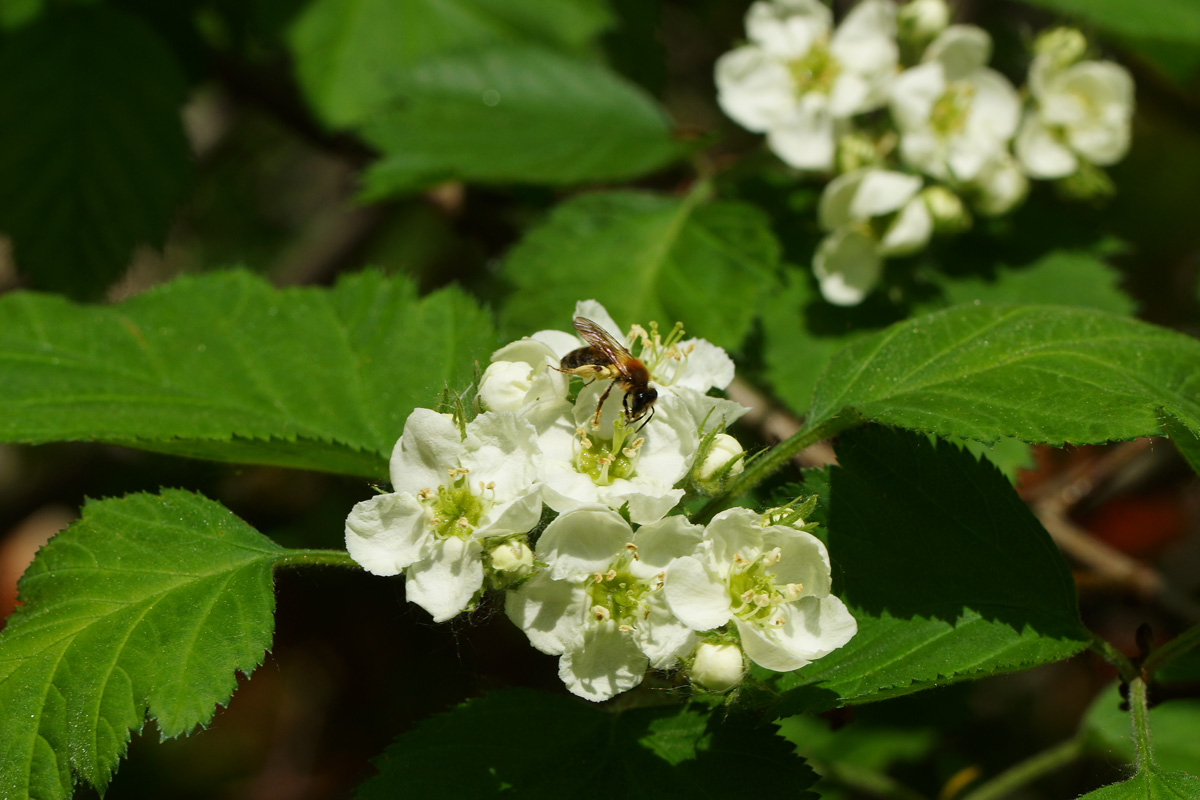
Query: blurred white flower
point(1081, 111)
point(796, 81)
point(450, 492)
point(772, 583)
point(954, 114)
point(999, 187)
point(871, 214)
point(919, 21)
point(599, 605)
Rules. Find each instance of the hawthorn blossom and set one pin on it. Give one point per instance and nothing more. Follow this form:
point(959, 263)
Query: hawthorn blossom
point(954, 114)
point(598, 604)
point(772, 582)
point(797, 81)
point(870, 214)
point(1081, 111)
point(454, 492)
point(718, 667)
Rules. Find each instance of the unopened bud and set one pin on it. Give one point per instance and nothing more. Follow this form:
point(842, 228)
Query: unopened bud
point(505, 385)
point(1061, 46)
point(918, 22)
point(724, 449)
point(949, 213)
point(512, 557)
point(718, 667)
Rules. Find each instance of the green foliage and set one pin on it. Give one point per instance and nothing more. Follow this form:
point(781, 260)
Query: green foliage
point(1174, 723)
point(1039, 374)
point(514, 114)
point(148, 605)
point(92, 154)
point(545, 745)
point(1151, 784)
point(225, 367)
point(948, 573)
point(349, 54)
point(645, 258)
point(1163, 20)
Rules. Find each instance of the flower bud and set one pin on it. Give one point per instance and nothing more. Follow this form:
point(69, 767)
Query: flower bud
point(855, 151)
point(718, 667)
point(505, 385)
point(1061, 47)
point(947, 209)
point(724, 449)
point(511, 560)
point(918, 22)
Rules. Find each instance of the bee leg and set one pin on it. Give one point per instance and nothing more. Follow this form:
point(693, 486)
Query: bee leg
point(600, 405)
point(649, 417)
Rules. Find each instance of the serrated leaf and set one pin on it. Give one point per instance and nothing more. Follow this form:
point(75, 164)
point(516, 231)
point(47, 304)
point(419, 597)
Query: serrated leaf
point(514, 114)
point(554, 747)
point(147, 605)
point(224, 366)
point(1035, 373)
point(947, 571)
point(92, 153)
point(1151, 784)
point(348, 52)
point(1165, 20)
point(1174, 724)
point(645, 257)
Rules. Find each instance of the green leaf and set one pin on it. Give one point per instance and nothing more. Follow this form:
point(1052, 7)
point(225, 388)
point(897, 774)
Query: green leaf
point(1166, 20)
point(1063, 277)
point(147, 605)
point(857, 746)
point(514, 114)
point(92, 153)
point(549, 746)
point(1034, 373)
point(1185, 438)
point(947, 571)
point(348, 52)
point(1151, 784)
point(1174, 723)
point(223, 366)
point(645, 257)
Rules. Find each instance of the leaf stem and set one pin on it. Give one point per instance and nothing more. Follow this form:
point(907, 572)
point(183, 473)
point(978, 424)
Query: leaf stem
point(1115, 657)
point(773, 460)
point(1140, 711)
point(1029, 770)
point(314, 558)
point(1177, 646)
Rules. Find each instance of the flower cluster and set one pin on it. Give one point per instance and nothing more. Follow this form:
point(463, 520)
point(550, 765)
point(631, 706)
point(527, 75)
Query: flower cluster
point(615, 583)
point(902, 107)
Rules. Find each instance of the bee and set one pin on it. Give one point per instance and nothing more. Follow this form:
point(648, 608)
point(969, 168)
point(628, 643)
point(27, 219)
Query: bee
point(606, 359)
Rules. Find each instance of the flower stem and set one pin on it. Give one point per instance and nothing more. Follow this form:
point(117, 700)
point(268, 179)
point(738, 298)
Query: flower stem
point(773, 460)
point(314, 558)
point(1115, 657)
point(1029, 770)
point(1140, 711)
point(1177, 646)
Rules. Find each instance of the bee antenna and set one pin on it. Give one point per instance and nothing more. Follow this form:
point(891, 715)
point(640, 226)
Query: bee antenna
point(650, 417)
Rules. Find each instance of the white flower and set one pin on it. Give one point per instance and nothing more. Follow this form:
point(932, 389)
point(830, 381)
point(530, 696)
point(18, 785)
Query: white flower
point(521, 378)
point(918, 21)
point(871, 213)
point(450, 492)
point(718, 667)
point(723, 450)
point(1082, 111)
point(772, 582)
point(599, 605)
point(999, 187)
point(796, 83)
point(954, 114)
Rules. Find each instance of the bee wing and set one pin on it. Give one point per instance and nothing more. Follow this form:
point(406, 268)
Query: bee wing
point(600, 339)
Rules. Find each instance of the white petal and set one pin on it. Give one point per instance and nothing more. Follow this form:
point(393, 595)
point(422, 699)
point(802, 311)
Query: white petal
point(601, 663)
point(837, 199)
point(910, 231)
point(550, 612)
point(864, 42)
point(805, 139)
point(444, 582)
point(848, 266)
point(597, 313)
point(816, 626)
point(710, 410)
point(1000, 186)
point(519, 515)
point(719, 667)
point(765, 648)
point(882, 192)
point(559, 342)
point(1041, 154)
point(705, 367)
point(913, 94)
point(753, 88)
point(995, 106)
point(961, 50)
point(803, 559)
point(646, 507)
point(696, 596)
point(427, 450)
point(387, 533)
point(662, 542)
point(504, 385)
point(661, 636)
point(501, 448)
point(583, 542)
point(787, 28)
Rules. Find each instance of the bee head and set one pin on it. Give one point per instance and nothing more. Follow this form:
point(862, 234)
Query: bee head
point(638, 403)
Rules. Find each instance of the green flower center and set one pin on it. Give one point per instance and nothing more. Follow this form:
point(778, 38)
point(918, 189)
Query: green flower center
point(950, 111)
point(816, 70)
point(754, 591)
point(606, 460)
point(618, 593)
point(453, 510)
